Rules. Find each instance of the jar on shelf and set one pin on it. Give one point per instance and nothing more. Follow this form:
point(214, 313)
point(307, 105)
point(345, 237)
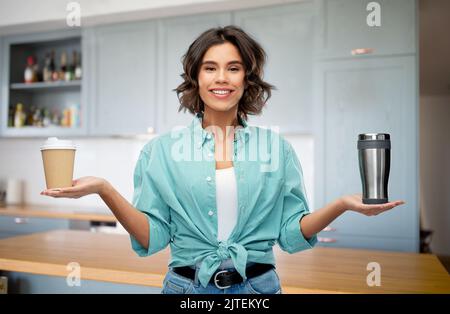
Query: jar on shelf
point(31, 71)
point(19, 116)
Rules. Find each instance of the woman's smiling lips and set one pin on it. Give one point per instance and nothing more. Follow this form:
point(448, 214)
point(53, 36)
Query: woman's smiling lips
point(221, 93)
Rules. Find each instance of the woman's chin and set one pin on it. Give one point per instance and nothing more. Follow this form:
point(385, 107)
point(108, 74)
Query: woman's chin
point(221, 107)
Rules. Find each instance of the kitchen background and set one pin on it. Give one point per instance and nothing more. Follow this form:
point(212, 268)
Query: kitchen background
point(118, 95)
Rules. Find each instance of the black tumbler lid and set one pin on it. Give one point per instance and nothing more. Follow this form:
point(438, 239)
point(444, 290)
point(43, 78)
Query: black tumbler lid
point(373, 136)
point(374, 140)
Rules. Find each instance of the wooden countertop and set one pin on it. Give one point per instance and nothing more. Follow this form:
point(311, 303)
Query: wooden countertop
point(57, 212)
point(109, 257)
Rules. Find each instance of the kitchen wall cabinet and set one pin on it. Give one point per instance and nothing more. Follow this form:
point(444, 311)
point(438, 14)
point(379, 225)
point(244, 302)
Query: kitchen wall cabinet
point(342, 26)
point(364, 96)
point(174, 38)
point(56, 97)
point(287, 35)
point(122, 88)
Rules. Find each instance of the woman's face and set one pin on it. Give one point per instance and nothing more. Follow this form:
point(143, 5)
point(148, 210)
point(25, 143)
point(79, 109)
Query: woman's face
point(221, 77)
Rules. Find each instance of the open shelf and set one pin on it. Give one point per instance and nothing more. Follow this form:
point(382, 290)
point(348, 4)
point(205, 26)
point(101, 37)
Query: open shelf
point(46, 85)
point(56, 104)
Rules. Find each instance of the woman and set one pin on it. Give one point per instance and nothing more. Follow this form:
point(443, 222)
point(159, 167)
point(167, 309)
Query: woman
point(205, 189)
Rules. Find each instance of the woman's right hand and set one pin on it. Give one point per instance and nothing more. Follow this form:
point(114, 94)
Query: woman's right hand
point(80, 187)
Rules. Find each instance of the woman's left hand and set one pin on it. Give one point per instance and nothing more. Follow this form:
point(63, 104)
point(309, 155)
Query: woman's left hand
point(354, 203)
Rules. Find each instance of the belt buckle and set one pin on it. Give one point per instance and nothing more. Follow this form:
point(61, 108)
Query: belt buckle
point(217, 280)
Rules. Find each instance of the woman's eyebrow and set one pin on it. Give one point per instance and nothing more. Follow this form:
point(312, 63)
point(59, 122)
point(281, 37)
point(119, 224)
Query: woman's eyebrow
point(215, 63)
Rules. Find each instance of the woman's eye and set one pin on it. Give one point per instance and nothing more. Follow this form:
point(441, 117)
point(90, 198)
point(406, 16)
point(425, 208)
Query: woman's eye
point(209, 69)
point(234, 69)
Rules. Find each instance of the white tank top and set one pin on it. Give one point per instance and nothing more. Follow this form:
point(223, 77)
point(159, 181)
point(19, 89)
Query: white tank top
point(227, 203)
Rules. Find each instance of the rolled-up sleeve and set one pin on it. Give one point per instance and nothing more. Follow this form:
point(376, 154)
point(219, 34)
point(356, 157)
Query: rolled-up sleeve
point(147, 199)
point(295, 206)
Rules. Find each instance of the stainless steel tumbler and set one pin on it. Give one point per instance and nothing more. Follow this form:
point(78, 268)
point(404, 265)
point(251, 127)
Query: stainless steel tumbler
point(374, 152)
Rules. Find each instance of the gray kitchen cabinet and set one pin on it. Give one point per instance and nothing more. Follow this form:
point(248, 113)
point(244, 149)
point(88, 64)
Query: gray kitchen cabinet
point(363, 96)
point(175, 35)
point(286, 33)
point(122, 90)
point(342, 26)
point(15, 226)
point(3, 111)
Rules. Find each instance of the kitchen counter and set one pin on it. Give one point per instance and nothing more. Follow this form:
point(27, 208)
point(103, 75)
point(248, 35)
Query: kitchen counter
point(109, 258)
point(57, 212)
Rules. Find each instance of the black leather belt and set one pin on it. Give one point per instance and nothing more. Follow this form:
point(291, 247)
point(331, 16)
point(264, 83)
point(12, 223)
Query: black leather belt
point(226, 278)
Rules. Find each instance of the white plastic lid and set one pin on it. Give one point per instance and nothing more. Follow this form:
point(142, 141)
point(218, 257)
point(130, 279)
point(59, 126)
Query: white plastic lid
point(54, 143)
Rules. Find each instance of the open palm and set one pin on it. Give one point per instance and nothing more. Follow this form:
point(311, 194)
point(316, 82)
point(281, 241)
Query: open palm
point(80, 187)
point(354, 203)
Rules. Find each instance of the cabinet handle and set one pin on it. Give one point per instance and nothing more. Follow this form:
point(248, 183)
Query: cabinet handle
point(20, 221)
point(362, 51)
point(326, 240)
point(329, 229)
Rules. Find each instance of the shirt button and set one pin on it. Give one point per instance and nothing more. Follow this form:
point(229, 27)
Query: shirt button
point(208, 179)
point(208, 136)
point(210, 213)
point(210, 154)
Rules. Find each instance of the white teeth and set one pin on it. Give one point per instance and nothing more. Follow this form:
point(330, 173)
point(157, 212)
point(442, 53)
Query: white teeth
point(221, 92)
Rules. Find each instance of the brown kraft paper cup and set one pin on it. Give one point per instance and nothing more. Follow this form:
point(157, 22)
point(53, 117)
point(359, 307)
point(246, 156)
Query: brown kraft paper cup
point(58, 157)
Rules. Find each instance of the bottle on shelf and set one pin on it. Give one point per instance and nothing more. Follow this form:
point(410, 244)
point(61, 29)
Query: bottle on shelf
point(69, 75)
point(47, 71)
point(19, 116)
point(55, 117)
point(46, 119)
point(77, 65)
point(66, 118)
point(53, 67)
point(63, 66)
point(30, 74)
point(74, 116)
point(37, 118)
point(29, 115)
point(10, 116)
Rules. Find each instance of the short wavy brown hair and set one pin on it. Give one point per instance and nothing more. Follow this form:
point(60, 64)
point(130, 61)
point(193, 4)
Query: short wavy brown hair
point(257, 91)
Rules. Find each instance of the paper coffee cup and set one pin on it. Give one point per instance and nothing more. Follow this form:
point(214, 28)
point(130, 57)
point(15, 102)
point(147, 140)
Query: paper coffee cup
point(58, 157)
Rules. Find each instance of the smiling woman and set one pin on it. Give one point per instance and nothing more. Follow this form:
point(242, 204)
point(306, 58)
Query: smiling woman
point(221, 225)
point(222, 63)
point(221, 82)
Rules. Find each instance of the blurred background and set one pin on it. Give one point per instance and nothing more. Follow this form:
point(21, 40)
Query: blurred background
point(101, 73)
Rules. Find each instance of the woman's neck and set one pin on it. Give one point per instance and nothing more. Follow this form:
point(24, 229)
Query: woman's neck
point(226, 121)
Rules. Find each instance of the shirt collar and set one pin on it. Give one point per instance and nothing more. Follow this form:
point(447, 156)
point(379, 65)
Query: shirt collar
point(200, 134)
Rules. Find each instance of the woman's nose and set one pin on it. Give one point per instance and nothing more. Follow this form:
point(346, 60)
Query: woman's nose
point(221, 76)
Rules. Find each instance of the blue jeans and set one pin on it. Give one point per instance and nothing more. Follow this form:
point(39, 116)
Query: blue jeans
point(266, 283)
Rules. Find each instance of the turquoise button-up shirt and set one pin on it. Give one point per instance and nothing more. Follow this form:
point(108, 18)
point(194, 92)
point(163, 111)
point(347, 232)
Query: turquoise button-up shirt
point(174, 185)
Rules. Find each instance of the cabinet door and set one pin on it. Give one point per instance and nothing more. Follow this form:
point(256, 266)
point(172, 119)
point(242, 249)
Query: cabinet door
point(3, 105)
point(287, 34)
point(365, 96)
point(123, 89)
point(175, 37)
point(343, 26)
